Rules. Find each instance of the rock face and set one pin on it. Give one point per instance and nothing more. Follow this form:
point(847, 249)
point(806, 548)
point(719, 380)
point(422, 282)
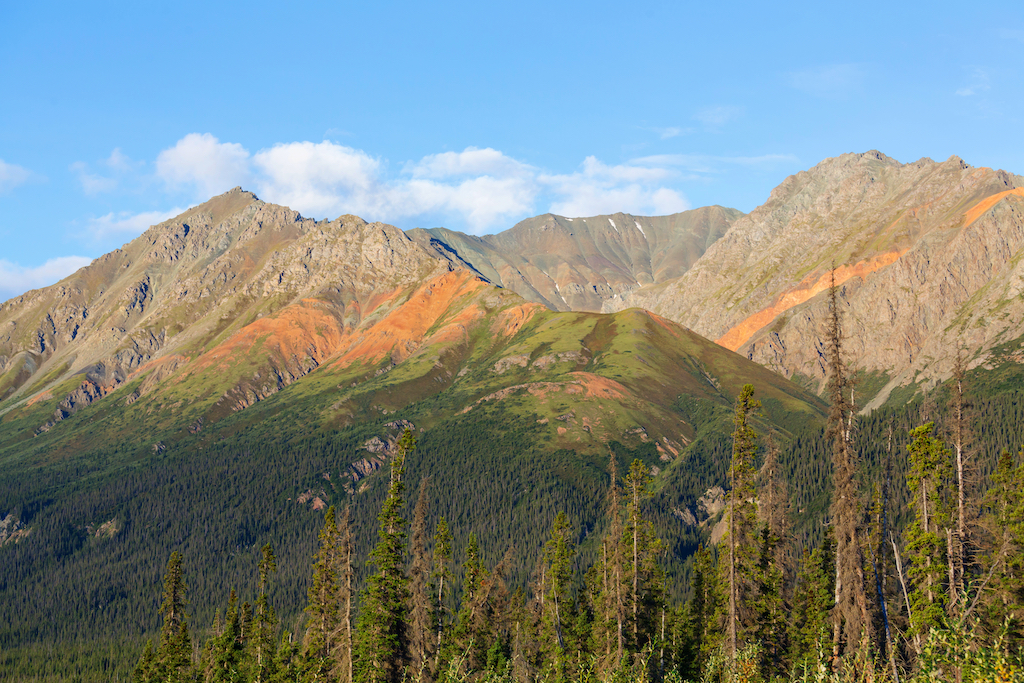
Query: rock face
point(579, 264)
point(185, 286)
point(926, 255)
point(249, 296)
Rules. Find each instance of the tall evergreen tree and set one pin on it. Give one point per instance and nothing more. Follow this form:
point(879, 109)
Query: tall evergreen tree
point(608, 589)
point(226, 649)
point(382, 637)
point(772, 616)
point(558, 557)
point(421, 632)
point(1000, 596)
point(813, 600)
point(930, 469)
point(442, 576)
point(962, 541)
point(702, 632)
point(322, 627)
point(173, 661)
point(742, 517)
point(264, 628)
point(346, 594)
point(646, 576)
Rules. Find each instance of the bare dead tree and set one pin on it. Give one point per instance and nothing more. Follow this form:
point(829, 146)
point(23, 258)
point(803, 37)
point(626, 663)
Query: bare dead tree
point(851, 615)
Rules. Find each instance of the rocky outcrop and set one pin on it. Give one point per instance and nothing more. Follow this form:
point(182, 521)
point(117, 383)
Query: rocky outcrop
point(580, 263)
point(924, 257)
point(218, 268)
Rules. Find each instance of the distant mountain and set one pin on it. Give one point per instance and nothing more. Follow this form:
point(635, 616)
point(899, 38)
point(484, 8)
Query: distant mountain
point(219, 380)
point(580, 264)
point(927, 255)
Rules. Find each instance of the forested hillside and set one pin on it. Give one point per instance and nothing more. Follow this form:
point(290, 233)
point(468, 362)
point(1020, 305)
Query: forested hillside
point(502, 578)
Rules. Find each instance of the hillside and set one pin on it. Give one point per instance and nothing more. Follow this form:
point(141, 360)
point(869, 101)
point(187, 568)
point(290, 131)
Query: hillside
point(579, 264)
point(927, 254)
point(219, 380)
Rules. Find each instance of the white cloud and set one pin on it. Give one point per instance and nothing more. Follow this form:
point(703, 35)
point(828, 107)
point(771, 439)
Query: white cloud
point(319, 178)
point(12, 175)
point(979, 84)
point(670, 132)
point(833, 82)
point(119, 161)
point(118, 164)
point(599, 189)
point(716, 117)
point(471, 161)
point(127, 224)
point(92, 183)
point(480, 187)
point(16, 279)
point(204, 164)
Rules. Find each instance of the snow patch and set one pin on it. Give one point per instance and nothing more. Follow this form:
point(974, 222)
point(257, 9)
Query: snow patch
point(569, 219)
point(637, 223)
point(559, 292)
point(613, 225)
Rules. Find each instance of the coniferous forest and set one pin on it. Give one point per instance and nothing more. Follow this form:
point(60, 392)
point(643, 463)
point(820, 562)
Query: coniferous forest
point(885, 547)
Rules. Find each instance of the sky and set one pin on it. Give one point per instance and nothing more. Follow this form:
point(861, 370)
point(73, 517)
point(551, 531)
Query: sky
point(116, 116)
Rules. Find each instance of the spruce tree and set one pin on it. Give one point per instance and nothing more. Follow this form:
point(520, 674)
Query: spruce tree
point(226, 664)
point(999, 601)
point(770, 603)
point(742, 517)
point(962, 541)
point(608, 585)
point(264, 620)
point(813, 600)
point(442, 576)
point(322, 626)
point(703, 636)
point(382, 637)
point(930, 470)
point(421, 632)
point(346, 594)
point(173, 660)
point(558, 558)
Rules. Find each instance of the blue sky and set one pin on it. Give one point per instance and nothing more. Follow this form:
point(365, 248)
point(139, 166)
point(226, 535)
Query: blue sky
point(471, 115)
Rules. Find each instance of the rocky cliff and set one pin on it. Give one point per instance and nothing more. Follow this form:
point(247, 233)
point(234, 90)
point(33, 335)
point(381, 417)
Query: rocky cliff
point(579, 264)
point(231, 269)
point(926, 254)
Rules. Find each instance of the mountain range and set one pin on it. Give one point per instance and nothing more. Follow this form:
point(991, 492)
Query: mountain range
point(286, 354)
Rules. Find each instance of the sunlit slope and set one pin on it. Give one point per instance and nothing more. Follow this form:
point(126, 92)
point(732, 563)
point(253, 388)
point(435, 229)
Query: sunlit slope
point(453, 341)
point(927, 255)
point(580, 263)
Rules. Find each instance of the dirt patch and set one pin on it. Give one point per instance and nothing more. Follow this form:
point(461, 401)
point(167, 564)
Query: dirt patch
point(595, 386)
point(740, 334)
point(302, 329)
point(402, 331)
point(982, 207)
point(511, 320)
point(504, 364)
point(41, 396)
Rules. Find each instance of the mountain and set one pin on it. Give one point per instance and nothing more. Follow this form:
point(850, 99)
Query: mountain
point(927, 255)
point(215, 383)
point(580, 264)
point(218, 381)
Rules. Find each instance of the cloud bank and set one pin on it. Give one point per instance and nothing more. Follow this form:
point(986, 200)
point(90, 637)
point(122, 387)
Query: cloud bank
point(481, 187)
point(12, 175)
point(15, 279)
